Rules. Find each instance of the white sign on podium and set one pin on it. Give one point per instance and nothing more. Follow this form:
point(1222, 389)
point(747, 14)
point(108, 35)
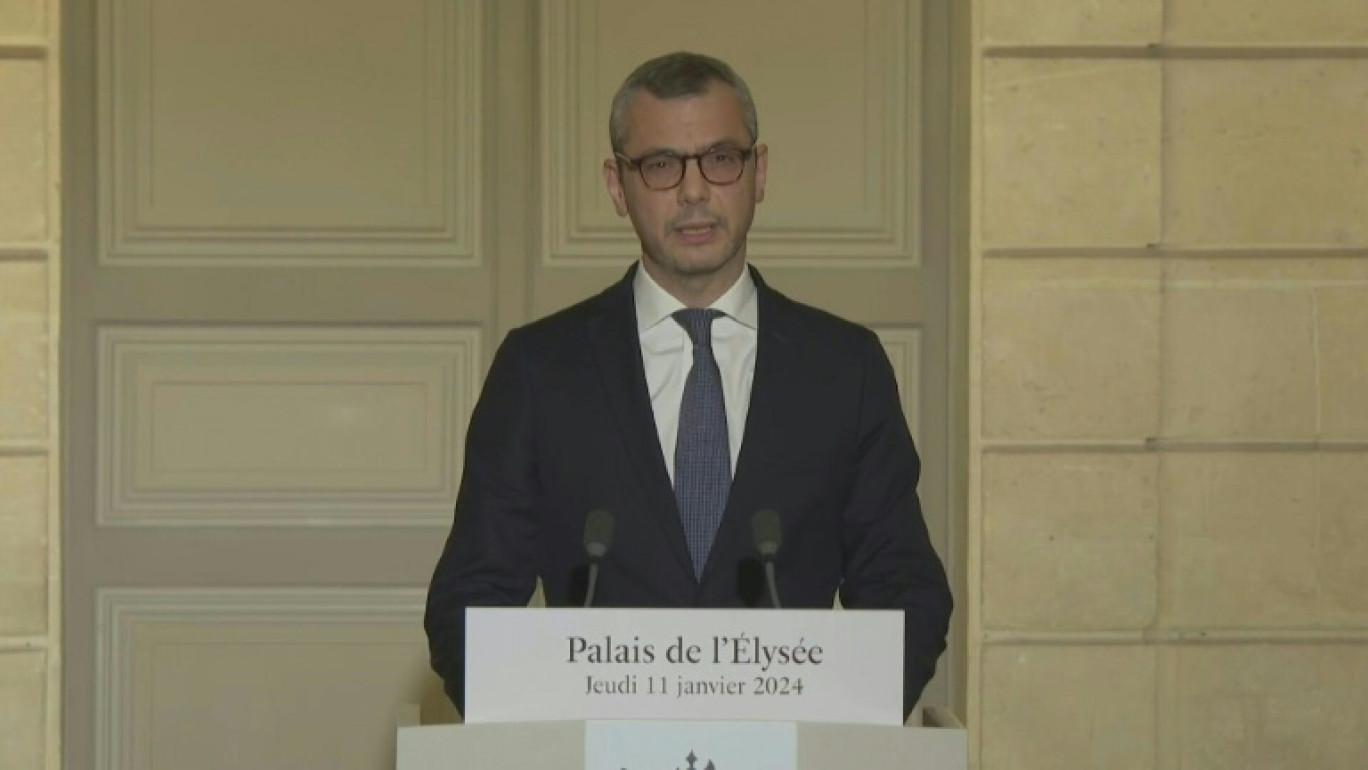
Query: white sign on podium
point(529, 665)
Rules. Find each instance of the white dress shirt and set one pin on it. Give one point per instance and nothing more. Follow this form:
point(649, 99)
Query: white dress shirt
point(667, 355)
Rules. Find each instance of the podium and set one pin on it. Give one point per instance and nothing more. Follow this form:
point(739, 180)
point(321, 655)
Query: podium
point(533, 708)
point(938, 743)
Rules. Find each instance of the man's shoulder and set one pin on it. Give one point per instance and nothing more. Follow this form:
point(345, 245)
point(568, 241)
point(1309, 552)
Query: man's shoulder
point(576, 320)
point(809, 322)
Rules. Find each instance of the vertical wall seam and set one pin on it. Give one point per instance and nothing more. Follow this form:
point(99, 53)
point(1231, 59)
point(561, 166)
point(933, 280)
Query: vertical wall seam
point(1164, 715)
point(974, 530)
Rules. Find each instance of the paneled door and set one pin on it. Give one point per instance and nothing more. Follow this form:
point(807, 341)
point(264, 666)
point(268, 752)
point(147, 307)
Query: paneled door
point(298, 230)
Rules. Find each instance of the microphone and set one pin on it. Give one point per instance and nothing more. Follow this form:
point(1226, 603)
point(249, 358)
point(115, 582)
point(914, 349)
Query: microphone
point(765, 532)
point(598, 538)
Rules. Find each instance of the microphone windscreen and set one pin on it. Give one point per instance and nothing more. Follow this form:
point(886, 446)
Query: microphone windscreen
point(598, 533)
point(766, 533)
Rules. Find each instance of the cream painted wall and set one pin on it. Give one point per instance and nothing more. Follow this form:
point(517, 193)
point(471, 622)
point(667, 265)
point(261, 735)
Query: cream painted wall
point(1169, 430)
point(30, 661)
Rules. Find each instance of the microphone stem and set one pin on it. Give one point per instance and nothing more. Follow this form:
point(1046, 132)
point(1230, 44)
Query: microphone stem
point(593, 583)
point(769, 581)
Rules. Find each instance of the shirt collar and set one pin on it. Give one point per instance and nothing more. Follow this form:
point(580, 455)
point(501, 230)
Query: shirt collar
point(654, 304)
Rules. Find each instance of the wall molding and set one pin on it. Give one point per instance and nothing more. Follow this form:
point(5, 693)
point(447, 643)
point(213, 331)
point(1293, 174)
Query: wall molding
point(24, 643)
point(149, 378)
point(444, 229)
point(121, 612)
point(24, 252)
point(24, 48)
point(23, 448)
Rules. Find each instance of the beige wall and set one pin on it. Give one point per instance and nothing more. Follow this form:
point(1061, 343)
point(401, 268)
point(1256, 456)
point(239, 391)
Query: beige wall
point(1169, 431)
point(29, 258)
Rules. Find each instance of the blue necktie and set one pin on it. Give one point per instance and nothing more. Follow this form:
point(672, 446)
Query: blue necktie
point(702, 456)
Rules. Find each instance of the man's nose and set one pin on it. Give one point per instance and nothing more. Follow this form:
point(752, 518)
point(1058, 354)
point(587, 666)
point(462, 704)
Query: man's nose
point(693, 187)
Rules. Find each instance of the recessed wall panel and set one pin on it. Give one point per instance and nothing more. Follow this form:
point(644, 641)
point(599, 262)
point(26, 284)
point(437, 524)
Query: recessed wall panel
point(283, 426)
point(835, 87)
point(312, 132)
point(225, 679)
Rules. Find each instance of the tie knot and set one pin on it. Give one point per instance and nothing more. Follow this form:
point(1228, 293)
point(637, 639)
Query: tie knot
point(698, 323)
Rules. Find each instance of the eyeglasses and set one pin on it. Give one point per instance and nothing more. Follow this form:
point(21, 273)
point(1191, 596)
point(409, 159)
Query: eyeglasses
point(665, 170)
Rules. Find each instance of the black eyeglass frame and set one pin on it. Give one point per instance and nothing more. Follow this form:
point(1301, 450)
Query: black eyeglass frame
point(635, 163)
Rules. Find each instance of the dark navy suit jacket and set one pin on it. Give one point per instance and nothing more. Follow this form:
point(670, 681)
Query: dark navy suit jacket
point(564, 425)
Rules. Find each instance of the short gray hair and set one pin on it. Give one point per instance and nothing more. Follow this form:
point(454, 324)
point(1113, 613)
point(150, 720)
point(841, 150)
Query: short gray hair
point(673, 76)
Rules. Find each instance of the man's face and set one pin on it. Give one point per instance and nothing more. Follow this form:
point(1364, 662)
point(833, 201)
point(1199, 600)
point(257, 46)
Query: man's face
point(694, 235)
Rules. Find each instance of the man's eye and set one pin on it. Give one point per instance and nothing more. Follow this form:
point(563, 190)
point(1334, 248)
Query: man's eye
point(724, 158)
point(658, 163)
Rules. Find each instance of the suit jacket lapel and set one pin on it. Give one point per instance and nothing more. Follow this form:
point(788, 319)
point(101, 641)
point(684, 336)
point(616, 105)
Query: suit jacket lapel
point(617, 349)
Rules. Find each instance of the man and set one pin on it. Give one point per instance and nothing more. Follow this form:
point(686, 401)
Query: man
point(683, 400)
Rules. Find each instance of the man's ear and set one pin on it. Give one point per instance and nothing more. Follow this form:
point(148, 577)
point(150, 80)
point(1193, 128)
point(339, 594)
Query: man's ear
point(761, 169)
point(612, 177)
